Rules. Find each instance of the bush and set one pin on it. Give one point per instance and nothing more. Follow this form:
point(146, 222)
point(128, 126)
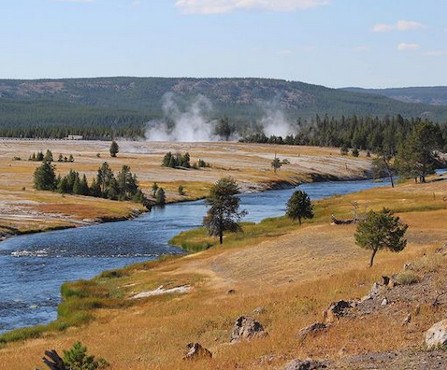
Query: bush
point(407, 278)
point(76, 358)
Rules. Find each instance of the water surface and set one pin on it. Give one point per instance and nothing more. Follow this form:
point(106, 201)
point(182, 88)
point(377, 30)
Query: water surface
point(33, 267)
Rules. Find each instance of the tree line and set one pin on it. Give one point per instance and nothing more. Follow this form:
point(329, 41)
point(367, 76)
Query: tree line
point(378, 135)
point(105, 185)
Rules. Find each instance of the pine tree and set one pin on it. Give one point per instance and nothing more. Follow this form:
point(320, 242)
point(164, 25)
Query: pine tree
point(44, 177)
point(223, 214)
point(48, 156)
point(299, 206)
point(160, 197)
point(114, 149)
point(381, 230)
point(415, 157)
point(276, 164)
point(167, 159)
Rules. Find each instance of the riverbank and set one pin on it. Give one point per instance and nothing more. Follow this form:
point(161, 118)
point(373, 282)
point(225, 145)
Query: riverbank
point(25, 210)
point(285, 278)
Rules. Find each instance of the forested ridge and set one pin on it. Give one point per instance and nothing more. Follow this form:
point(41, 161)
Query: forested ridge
point(119, 106)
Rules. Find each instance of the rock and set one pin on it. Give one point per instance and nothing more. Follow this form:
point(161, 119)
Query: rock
point(337, 310)
point(384, 302)
point(246, 328)
point(389, 282)
point(385, 280)
point(436, 336)
point(314, 328)
point(375, 290)
point(365, 298)
point(196, 352)
point(305, 365)
point(231, 291)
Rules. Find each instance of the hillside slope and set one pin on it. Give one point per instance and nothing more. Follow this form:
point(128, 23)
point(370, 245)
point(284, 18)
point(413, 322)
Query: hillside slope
point(436, 95)
point(242, 99)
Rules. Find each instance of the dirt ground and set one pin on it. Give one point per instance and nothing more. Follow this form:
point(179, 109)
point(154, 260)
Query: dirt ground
point(23, 209)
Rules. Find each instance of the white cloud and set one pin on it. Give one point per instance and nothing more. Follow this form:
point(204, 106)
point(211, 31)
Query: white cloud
point(225, 6)
point(399, 26)
point(404, 46)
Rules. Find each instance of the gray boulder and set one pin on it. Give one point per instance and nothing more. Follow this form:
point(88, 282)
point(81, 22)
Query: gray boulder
point(337, 310)
point(305, 365)
point(436, 336)
point(246, 328)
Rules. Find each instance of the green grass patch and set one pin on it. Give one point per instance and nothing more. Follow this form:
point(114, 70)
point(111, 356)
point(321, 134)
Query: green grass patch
point(198, 239)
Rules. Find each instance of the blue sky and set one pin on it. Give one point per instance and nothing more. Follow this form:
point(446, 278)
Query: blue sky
point(336, 43)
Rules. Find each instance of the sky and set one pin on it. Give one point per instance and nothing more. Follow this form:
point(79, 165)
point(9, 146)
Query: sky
point(335, 43)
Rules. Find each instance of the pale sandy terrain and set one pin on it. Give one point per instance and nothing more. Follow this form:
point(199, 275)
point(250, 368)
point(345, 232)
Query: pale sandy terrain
point(24, 209)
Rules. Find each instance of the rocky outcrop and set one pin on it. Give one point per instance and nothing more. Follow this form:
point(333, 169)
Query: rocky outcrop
point(305, 365)
point(197, 352)
point(246, 328)
point(311, 329)
point(436, 336)
point(337, 310)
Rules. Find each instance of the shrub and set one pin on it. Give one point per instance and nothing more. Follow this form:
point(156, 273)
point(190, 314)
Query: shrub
point(407, 278)
point(76, 358)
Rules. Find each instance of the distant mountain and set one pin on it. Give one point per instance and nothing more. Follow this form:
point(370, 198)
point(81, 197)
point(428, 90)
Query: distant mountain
point(436, 95)
point(128, 100)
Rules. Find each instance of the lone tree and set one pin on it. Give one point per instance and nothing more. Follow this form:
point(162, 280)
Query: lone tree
point(299, 206)
point(381, 230)
point(160, 197)
point(223, 214)
point(114, 149)
point(276, 163)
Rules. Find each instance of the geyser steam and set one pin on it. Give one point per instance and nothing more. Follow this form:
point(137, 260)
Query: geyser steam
point(189, 125)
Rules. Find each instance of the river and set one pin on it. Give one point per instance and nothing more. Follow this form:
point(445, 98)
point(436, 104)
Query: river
point(33, 267)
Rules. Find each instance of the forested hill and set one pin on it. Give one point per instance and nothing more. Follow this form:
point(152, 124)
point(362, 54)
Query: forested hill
point(436, 95)
point(128, 102)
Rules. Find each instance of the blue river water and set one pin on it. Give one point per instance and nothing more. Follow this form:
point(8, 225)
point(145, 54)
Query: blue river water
point(33, 267)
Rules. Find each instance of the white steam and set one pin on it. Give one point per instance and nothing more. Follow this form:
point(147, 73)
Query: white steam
point(189, 125)
point(274, 122)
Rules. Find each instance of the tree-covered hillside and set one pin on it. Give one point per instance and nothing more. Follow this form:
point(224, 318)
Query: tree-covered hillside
point(101, 107)
point(436, 95)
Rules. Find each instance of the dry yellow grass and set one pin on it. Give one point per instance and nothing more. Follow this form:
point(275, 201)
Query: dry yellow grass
point(294, 277)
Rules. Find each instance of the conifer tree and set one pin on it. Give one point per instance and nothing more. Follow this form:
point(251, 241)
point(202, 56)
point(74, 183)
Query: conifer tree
point(299, 206)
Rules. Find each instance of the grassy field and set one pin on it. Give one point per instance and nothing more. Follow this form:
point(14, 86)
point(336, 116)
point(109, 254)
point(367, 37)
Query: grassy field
point(27, 210)
point(292, 272)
